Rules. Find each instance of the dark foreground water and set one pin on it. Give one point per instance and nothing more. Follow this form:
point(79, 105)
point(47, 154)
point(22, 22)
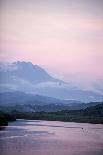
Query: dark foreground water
point(51, 138)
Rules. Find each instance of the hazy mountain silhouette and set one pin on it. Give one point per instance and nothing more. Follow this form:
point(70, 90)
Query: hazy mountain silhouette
point(16, 97)
point(29, 78)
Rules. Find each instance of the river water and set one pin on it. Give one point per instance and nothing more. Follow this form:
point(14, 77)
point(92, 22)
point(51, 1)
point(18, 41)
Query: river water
point(27, 137)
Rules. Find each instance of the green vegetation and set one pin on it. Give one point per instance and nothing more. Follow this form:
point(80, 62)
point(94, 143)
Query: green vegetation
point(5, 118)
point(92, 114)
point(89, 115)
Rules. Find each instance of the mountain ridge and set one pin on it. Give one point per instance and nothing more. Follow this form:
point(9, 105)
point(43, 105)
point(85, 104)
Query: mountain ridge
point(29, 78)
point(21, 97)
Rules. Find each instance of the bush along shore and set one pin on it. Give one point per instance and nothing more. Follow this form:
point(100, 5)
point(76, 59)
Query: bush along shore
point(5, 118)
point(89, 115)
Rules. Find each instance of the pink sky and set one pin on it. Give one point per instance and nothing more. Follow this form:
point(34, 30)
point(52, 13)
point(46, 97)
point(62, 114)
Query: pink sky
point(65, 37)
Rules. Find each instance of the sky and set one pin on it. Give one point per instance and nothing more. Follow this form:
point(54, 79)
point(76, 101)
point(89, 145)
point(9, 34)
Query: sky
point(63, 36)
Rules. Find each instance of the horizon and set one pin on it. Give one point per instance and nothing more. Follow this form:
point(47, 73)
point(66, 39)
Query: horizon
point(63, 37)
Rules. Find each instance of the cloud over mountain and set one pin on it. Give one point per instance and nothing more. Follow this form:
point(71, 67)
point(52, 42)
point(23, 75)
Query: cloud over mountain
point(29, 78)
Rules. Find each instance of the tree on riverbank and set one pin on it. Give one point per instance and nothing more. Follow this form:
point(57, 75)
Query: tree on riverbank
point(5, 118)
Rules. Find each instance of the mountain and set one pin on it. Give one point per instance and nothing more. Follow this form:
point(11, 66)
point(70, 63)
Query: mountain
point(22, 102)
point(25, 71)
point(28, 78)
point(21, 98)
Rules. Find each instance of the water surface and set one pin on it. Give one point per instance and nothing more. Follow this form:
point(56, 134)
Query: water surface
point(27, 137)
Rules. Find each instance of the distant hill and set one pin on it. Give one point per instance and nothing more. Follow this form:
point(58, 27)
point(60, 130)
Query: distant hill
point(29, 78)
point(17, 98)
point(96, 110)
point(20, 101)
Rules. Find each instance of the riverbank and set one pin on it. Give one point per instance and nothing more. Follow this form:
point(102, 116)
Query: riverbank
point(60, 116)
point(5, 118)
point(89, 115)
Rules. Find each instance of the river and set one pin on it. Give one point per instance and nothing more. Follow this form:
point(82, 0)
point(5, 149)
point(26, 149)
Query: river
point(29, 137)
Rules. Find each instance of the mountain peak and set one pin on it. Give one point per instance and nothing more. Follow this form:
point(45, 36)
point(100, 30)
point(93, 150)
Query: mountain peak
point(27, 77)
point(26, 64)
point(22, 63)
point(25, 71)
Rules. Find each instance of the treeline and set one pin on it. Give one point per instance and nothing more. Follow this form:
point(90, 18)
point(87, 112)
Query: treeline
point(5, 118)
point(89, 115)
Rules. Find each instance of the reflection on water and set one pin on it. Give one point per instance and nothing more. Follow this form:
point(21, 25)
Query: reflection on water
point(25, 137)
